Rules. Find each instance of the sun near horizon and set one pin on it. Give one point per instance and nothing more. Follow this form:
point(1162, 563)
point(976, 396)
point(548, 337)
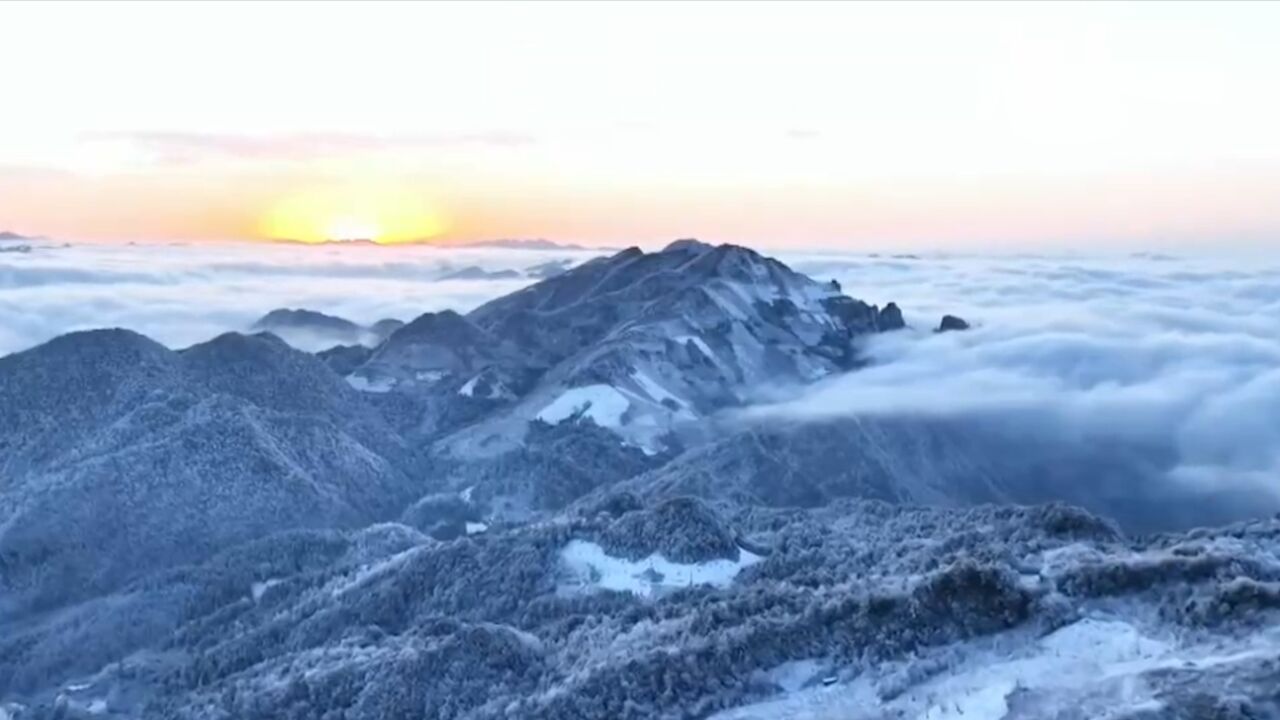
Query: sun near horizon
point(381, 214)
point(971, 126)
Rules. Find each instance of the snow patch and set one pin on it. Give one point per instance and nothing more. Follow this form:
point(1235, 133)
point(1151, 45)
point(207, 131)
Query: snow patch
point(1076, 655)
point(469, 389)
point(367, 573)
point(257, 589)
point(648, 450)
point(1092, 663)
point(655, 391)
point(727, 304)
point(749, 295)
point(795, 674)
point(364, 384)
point(602, 403)
point(591, 567)
point(702, 346)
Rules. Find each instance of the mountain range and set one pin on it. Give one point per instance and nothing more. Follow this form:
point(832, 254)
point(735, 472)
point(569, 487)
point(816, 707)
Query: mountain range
point(518, 244)
point(552, 507)
point(299, 325)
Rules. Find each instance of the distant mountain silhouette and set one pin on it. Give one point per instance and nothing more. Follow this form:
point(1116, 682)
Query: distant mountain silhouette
point(516, 244)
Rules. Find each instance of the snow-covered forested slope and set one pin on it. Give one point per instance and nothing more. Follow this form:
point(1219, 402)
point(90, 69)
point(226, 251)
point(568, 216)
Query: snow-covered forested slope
point(571, 503)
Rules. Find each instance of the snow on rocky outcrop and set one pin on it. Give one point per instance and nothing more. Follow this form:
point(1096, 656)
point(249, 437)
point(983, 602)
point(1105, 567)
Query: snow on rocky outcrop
point(603, 404)
point(663, 338)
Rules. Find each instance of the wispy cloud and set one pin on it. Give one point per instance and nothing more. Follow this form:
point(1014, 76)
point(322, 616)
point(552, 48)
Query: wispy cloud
point(17, 174)
point(184, 147)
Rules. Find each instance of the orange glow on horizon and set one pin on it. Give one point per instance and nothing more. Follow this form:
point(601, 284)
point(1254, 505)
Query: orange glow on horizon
point(380, 214)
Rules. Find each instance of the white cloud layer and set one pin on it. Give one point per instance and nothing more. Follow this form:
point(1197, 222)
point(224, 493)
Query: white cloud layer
point(1147, 348)
point(182, 294)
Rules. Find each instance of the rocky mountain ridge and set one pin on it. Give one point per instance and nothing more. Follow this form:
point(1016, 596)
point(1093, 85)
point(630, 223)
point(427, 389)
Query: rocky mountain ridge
point(638, 341)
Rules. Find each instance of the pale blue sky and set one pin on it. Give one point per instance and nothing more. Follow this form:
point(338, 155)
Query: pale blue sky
point(844, 125)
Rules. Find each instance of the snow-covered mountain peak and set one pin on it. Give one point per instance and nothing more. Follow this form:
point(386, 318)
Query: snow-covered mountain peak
point(688, 245)
point(640, 342)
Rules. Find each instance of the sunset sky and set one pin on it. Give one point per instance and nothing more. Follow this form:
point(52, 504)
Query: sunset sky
point(991, 126)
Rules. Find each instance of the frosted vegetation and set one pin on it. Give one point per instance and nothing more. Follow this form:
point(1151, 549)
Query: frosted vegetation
point(588, 499)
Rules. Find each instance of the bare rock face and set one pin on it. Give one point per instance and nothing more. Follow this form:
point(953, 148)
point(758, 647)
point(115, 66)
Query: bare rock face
point(951, 322)
point(891, 318)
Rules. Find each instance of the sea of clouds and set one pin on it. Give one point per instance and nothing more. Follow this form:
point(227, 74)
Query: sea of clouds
point(1144, 348)
point(184, 293)
point(1130, 346)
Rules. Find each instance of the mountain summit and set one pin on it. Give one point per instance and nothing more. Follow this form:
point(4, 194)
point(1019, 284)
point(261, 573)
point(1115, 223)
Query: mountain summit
point(636, 342)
